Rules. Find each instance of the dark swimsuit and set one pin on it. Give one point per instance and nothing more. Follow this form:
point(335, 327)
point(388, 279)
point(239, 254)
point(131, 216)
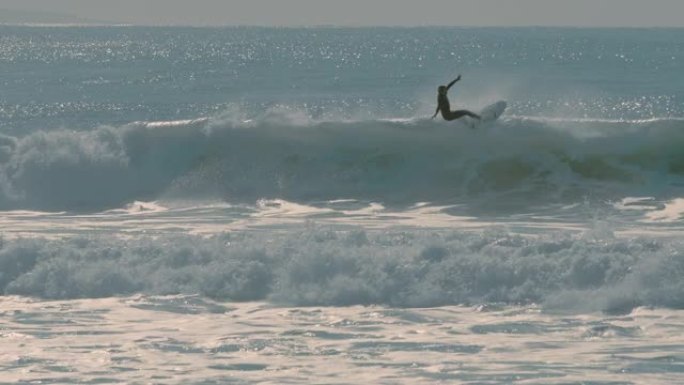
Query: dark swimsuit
point(445, 109)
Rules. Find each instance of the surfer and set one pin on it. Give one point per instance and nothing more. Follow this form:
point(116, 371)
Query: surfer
point(443, 104)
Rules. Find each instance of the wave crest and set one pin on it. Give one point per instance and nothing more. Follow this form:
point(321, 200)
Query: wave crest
point(392, 161)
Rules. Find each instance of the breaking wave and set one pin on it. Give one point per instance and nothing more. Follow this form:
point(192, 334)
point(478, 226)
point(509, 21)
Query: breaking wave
point(389, 161)
point(324, 266)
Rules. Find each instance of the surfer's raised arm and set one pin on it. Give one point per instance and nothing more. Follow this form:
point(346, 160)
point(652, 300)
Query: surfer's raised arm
point(454, 82)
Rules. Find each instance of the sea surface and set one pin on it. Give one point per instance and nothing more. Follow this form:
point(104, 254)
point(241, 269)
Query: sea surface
point(275, 206)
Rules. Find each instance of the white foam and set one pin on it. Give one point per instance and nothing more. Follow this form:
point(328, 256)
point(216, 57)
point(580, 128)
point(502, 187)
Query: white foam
point(307, 264)
point(673, 211)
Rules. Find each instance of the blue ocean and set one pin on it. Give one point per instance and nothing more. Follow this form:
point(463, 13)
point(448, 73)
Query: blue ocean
point(274, 205)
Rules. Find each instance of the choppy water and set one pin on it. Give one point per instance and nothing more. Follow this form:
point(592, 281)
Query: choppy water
point(255, 205)
point(191, 340)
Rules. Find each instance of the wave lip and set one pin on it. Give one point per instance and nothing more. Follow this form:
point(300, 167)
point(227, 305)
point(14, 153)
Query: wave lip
point(388, 161)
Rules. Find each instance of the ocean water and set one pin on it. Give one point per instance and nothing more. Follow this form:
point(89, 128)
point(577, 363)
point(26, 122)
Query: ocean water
point(274, 206)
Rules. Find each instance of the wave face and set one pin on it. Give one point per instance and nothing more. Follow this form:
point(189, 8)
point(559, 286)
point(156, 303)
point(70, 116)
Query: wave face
point(394, 162)
point(323, 266)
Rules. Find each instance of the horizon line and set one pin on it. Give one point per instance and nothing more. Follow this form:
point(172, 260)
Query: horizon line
point(320, 26)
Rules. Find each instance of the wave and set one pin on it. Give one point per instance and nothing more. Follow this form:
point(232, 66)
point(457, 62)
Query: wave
point(294, 158)
point(326, 266)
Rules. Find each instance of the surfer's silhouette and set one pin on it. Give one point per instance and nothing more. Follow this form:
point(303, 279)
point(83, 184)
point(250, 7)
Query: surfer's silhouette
point(445, 108)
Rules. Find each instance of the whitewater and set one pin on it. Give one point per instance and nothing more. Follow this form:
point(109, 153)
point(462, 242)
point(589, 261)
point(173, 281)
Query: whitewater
point(274, 205)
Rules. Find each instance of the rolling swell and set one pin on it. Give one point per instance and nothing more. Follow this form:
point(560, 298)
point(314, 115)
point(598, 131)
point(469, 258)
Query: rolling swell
point(394, 162)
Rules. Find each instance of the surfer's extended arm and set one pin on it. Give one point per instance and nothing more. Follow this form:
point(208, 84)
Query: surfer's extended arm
point(436, 112)
point(452, 83)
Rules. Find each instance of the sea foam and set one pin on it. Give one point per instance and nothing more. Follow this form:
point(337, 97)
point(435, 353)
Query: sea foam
point(321, 265)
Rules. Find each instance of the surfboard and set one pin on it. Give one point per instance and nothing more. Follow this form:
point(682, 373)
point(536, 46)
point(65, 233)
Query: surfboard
point(492, 111)
point(199, 122)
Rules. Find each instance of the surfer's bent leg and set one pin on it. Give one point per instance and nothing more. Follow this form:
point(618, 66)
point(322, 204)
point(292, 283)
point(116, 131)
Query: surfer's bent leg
point(462, 113)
